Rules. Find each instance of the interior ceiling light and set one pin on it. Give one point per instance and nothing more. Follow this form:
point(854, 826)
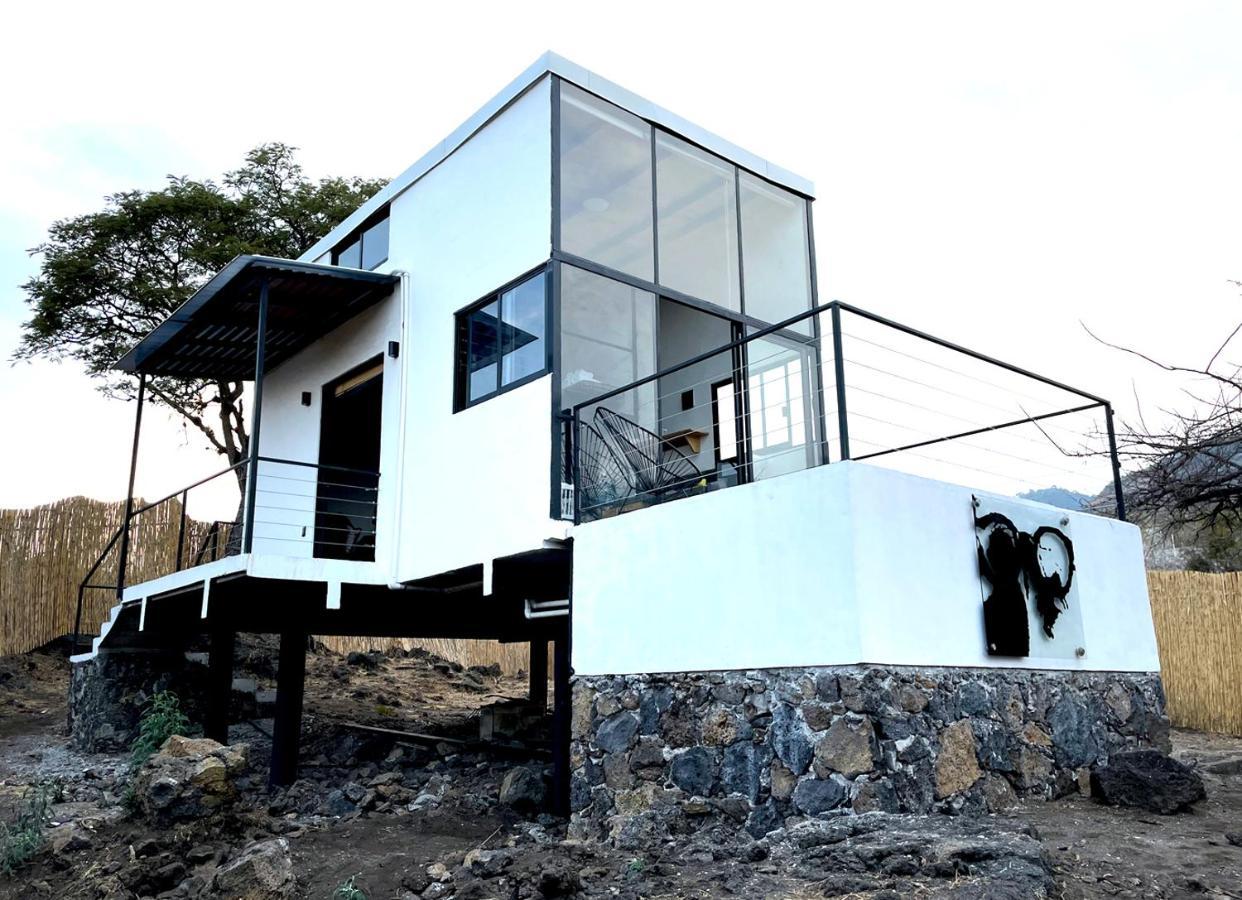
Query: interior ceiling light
point(595, 204)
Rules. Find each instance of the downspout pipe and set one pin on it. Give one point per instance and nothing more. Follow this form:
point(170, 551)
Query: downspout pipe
point(394, 554)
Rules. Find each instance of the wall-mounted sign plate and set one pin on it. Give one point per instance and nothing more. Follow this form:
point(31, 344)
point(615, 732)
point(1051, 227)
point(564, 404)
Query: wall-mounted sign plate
point(1027, 578)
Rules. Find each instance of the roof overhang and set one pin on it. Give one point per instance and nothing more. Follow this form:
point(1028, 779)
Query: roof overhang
point(213, 334)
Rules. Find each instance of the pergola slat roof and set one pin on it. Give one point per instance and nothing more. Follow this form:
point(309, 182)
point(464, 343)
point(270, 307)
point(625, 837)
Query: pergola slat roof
point(214, 333)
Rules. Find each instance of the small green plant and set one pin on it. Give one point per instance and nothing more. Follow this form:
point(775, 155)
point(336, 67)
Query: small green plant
point(21, 838)
point(162, 719)
point(348, 890)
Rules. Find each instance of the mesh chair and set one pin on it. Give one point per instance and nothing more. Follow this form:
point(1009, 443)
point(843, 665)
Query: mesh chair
point(601, 477)
point(655, 468)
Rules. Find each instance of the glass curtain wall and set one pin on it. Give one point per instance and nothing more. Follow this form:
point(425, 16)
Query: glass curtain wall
point(655, 236)
point(606, 202)
point(697, 226)
point(608, 340)
point(697, 212)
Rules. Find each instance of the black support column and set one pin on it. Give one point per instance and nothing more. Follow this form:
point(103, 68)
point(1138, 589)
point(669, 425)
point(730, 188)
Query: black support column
point(287, 729)
point(560, 724)
point(219, 683)
point(539, 674)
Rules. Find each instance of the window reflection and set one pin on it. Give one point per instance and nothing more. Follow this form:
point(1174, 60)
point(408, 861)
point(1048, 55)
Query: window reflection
point(697, 222)
point(605, 171)
point(775, 252)
point(607, 341)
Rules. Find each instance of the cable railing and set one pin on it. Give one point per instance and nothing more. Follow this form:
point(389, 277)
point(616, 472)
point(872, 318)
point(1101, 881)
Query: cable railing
point(860, 387)
point(295, 509)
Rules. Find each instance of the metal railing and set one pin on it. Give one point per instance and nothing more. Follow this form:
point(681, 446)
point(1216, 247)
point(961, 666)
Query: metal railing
point(832, 383)
point(290, 508)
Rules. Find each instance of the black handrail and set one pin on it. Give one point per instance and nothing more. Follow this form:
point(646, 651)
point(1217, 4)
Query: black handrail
point(573, 416)
point(190, 487)
point(213, 539)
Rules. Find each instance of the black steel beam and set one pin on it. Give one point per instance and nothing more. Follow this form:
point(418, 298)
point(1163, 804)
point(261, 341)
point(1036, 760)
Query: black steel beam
point(539, 673)
point(219, 683)
point(561, 724)
point(287, 727)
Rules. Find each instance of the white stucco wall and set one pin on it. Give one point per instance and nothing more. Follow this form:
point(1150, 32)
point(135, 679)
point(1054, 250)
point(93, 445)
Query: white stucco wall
point(459, 489)
point(476, 483)
point(840, 564)
point(289, 430)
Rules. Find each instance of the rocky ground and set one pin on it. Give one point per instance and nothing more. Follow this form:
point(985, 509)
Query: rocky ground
point(376, 816)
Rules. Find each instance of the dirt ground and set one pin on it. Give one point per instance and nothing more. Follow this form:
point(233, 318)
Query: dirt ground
point(397, 816)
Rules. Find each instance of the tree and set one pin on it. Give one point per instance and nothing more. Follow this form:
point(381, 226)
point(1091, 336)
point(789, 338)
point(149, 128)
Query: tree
point(1188, 466)
point(107, 278)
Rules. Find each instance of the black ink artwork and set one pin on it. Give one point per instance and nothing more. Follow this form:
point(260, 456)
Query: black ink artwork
point(1010, 561)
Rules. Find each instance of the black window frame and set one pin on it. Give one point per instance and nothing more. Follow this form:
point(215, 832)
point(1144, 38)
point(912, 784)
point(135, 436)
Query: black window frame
point(461, 325)
point(357, 235)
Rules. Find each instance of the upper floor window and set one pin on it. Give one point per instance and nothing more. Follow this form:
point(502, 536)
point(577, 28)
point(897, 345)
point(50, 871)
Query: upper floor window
point(367, 246)
point(501, 341)
point(606, 211)
point(698, 225)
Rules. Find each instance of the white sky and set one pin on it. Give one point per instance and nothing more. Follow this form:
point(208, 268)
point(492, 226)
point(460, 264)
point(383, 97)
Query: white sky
point(989, 172)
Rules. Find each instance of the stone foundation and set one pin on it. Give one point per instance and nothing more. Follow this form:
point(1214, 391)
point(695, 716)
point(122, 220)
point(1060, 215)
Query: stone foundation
point(665, 753)
point(108, 694)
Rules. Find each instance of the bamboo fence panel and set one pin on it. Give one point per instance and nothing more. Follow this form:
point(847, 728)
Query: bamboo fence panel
point(1198, 618)
point(46, 551)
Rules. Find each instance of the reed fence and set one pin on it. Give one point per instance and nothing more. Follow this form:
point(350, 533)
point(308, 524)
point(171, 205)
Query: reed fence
point(45, 551)
point(1198, 619)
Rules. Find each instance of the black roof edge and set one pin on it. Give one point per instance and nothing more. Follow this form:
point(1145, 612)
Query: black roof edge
point(238, 266)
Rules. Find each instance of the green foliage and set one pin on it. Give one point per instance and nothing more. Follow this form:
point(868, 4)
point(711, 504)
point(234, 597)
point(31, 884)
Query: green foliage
point(107, 278)
point(347, 890)
point(21, 838)
point(161, 719)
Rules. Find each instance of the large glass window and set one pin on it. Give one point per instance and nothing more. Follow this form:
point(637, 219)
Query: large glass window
point(523, 310)
point(605, 184)
point(375, 244)
point(608, 339)
point(697, 219)
point(501, 341)
point(775, 252)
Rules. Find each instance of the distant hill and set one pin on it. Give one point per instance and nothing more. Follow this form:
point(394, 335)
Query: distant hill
point(1060, 497)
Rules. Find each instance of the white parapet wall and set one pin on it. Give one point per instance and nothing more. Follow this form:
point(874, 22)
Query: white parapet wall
point(837, 565)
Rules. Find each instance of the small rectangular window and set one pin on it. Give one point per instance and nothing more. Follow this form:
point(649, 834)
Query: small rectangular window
point(350, 255)
point(375, 244)
point(366, 246)
point(501, 341)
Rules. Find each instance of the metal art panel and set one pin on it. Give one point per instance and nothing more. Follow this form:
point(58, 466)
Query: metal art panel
point(1026, 577)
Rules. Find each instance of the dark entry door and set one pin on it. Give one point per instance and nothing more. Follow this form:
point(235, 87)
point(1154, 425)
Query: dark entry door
point(349, 454)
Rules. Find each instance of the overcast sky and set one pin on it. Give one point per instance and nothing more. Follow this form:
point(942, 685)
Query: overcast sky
point(991, 173)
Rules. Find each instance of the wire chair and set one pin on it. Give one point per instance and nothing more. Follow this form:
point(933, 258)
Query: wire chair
point(655, 468)
point(602, 485)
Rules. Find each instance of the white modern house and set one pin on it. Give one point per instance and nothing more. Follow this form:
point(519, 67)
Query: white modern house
point(568, 378)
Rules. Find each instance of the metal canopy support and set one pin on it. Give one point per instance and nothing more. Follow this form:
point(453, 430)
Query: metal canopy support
point(219, 683)
point(539, 674)
point(252, 472)
point(129, 494)
point(287, 726)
